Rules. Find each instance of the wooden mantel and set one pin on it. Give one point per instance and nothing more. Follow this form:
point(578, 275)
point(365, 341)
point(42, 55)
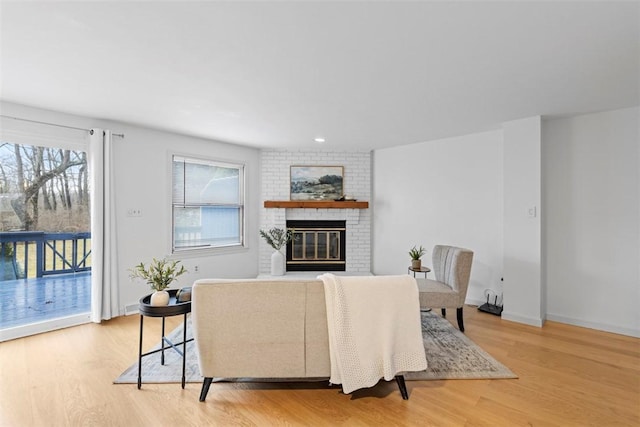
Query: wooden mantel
point(315, 204)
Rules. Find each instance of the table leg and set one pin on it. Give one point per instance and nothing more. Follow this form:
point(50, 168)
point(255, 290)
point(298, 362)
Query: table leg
point(184, 349)
point(162, 343)
point(140, 355)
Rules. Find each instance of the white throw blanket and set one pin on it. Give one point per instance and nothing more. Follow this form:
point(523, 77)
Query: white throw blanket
point(374, 328)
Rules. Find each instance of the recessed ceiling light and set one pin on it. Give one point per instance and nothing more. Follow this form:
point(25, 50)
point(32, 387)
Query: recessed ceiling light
point(319, 140)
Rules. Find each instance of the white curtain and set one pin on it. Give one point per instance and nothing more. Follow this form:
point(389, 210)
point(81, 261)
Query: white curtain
point(104, 263)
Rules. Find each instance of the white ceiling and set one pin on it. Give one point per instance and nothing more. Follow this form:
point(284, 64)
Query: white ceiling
point(364, 75)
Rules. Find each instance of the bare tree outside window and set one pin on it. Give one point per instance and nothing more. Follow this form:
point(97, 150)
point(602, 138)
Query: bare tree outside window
point(43, 189)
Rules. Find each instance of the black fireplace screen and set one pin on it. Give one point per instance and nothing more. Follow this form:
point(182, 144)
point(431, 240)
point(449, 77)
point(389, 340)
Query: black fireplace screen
point(316, 246)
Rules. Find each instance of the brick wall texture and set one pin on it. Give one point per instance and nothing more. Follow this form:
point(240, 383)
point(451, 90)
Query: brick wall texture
point(275, 181)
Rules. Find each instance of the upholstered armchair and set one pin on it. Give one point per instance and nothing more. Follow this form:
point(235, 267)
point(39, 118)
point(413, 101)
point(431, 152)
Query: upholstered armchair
point(452, 268)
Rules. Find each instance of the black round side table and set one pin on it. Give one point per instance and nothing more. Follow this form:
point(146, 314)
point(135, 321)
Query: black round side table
point(174, 308)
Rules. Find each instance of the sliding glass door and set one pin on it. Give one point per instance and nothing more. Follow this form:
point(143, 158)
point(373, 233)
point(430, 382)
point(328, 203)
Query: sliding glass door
point(45, 234)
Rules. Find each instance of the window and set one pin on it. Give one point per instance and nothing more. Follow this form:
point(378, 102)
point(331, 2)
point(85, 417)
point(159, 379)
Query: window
point(208, 204)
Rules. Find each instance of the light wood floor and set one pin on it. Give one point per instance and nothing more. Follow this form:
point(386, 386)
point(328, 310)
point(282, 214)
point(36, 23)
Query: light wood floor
point(568, 376)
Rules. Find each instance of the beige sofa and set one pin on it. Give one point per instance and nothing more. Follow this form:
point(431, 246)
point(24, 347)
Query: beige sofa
point(262, 329)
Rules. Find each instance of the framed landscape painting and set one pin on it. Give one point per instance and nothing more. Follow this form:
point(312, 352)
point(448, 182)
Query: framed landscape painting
point(316, 182)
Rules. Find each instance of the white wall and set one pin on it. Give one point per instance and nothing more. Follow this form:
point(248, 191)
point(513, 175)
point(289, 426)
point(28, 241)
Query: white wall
point(447, 191)
point(148, 188)
point(523, 293)
point(577, 261)
point(142, 163)
point(592, 217)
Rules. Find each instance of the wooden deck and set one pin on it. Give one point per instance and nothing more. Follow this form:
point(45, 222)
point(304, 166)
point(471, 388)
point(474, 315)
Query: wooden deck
point(26, 301)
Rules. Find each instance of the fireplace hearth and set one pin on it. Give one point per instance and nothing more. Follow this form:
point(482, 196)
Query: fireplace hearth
point(316, 245)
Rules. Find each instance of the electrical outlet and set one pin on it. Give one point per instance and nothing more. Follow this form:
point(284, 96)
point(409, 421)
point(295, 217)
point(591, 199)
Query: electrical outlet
point(196, 268)
point(134, 212)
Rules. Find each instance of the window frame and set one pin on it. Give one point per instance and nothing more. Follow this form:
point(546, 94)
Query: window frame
point(211, 249)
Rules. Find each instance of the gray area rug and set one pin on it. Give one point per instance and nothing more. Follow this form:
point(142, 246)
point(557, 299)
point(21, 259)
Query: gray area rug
point(450, 355)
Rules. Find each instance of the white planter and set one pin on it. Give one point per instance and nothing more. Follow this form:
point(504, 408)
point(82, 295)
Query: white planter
point(159, 298)
point(277, 264)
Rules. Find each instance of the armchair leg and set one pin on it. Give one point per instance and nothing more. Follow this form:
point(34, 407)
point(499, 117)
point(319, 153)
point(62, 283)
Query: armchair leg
point(444, 312)
point(460, 321)
point(205, 388)
point(402, 386)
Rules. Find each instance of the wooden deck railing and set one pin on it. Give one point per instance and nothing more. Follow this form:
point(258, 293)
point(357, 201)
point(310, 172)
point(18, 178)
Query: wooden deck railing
point(37, 253)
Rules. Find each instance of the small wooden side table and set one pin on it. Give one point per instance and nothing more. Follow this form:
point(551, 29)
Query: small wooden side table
point(424, 270)
point(173, 309)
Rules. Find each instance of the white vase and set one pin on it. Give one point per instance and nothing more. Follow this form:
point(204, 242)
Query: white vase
point(159, 298)
point(277, 264)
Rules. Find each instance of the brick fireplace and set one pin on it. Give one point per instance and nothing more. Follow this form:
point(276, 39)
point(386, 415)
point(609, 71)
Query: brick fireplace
point(275, 166)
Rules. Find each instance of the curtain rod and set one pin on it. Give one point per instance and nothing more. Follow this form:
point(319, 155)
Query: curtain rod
point(121, 135)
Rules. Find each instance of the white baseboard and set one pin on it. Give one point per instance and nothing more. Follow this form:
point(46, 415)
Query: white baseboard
point(476, 302)
point(513, 317)
point(594, 325)
point(131, 309)
point(562, 319)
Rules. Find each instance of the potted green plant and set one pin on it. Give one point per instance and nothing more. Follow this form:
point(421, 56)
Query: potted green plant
point(277, 238)
point(159, 274)
point(415, 254)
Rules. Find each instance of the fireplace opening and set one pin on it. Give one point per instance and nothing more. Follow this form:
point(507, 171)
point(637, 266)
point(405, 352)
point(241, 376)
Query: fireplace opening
point(316, 246)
